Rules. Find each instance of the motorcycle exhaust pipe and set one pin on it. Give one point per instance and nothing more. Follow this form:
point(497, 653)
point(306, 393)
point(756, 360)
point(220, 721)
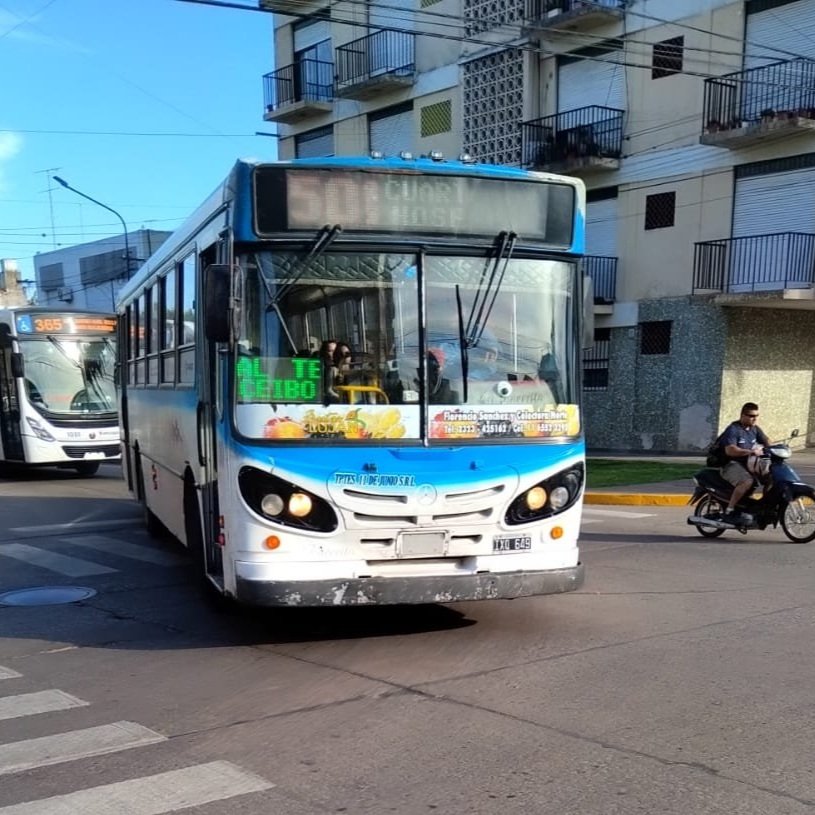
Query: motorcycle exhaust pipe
point(698, 520)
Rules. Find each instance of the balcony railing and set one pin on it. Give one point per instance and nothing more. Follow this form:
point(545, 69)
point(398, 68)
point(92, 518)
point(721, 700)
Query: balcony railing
point(384, 59)
point(586, 138)
point(785, 260)
point(306, 86)
point(742, 108)
point(557, 13)
point(603, 273)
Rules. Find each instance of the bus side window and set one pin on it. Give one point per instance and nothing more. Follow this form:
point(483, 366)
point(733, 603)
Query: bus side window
point(186, 328)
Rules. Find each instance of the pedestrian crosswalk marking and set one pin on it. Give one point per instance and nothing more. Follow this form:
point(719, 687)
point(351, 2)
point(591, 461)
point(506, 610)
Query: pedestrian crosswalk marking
point(30, 704)
point(7, 673)
point(615, 513)
point(112, 546)
point(93, 741)
point(152, 794)
point(54, 562)
point(72, 526)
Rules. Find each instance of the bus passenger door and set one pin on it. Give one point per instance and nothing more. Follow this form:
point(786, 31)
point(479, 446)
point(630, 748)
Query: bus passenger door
point(208, 421)
point(10, 435)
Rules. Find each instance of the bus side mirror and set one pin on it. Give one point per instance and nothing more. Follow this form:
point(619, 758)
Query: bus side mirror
point(217, 302)
point(17, 366)
point(588, 312)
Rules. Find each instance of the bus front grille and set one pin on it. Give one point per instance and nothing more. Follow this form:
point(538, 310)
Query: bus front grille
point(77, 451)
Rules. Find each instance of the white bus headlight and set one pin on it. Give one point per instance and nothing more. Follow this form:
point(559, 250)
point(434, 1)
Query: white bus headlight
point(299, 505)
point(559, 497)
point(272, 504)
point(39, 431)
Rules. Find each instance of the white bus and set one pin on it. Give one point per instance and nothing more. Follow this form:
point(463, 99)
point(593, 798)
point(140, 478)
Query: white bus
point(437, 455)
point(57, 393)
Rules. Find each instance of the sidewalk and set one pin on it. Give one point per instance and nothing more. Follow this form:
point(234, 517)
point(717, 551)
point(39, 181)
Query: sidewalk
point(677, 493)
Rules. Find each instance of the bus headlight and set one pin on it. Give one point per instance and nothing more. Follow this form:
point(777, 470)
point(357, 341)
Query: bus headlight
point(536, 498)
point(299, 505)
point(272, 504)
point(555, 494)
point(39, 431)
point(282, 502)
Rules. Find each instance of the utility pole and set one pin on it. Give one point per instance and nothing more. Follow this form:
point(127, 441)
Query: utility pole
point(49, 171)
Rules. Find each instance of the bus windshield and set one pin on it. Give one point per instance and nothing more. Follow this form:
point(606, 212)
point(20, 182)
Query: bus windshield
point(379, 345)
point(69, 375)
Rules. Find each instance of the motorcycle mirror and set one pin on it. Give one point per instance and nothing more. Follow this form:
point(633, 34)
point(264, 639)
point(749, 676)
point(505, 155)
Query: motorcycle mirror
point(794, 433)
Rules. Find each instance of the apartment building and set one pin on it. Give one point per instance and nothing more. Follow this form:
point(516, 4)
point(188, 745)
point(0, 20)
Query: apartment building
point(692, 123)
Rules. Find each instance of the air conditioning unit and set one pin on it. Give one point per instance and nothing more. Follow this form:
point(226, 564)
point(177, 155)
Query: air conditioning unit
point(66, 295)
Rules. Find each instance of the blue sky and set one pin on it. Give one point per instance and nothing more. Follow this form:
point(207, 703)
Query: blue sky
point(138, 67)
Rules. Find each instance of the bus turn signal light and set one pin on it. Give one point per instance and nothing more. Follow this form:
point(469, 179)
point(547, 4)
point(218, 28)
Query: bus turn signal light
point(272, 542)
point(556, 532)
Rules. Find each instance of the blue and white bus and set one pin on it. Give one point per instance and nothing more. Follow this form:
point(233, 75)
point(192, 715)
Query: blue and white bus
point(57, 392)
point(356, 381)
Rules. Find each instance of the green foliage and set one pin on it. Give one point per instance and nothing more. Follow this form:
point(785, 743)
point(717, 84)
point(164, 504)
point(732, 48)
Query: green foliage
point(604, 472)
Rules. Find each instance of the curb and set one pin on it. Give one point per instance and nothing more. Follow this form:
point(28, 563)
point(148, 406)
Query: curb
point(636, 499)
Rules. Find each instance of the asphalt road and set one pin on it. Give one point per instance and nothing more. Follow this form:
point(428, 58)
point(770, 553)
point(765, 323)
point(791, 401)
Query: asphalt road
point(676, 681)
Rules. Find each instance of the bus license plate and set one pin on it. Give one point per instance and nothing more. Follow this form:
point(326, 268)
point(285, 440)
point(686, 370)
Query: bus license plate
point(422, 544)
point(520, 543)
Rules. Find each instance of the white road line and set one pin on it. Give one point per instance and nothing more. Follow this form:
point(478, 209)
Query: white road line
point(152, 794)
point(74, 525)
point(616, 513)
point(63, 564)
point(43, 701)
point(7, 673)
point(93, 741)
point(112, 546)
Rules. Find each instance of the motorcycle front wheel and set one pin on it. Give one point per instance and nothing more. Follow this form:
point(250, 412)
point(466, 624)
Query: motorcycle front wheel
point(704, 509)
point(798, 519)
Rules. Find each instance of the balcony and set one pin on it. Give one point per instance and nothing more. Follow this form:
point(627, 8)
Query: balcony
point(298, 91)
point(759, 104)
point(586, 139)
point(382, 61)
point(571, 14)
point(781, 263)
point(603, 274)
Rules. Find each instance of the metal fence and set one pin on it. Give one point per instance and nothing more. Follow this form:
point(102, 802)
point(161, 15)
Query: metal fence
point(603, 272)
point(309, 80)
point(785, 260)
point(581, 133)
point(378, 54)
point(779, 91)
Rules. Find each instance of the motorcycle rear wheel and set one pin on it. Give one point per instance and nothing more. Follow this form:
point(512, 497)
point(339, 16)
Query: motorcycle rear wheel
point(705, 508)
point(798, 519)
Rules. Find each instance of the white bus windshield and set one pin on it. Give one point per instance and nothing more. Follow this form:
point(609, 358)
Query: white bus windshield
point(337, 348)
point(69, 375)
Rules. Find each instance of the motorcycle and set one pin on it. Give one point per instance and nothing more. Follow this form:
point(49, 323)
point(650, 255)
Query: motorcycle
point(785, 499)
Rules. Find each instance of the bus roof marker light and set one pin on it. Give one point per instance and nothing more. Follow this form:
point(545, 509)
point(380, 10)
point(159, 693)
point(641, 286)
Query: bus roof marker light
point(376, 154)
point(406, 155)
point(466, 158)
point(436, 155)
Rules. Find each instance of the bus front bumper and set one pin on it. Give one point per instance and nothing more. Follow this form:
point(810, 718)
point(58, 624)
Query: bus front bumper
point(408, 590)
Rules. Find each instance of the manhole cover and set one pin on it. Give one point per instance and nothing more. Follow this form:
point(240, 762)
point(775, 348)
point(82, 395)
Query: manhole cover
point(46, 596)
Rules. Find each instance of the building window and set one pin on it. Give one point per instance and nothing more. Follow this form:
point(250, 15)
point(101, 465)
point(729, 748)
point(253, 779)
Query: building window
point(660, 210)
point(595, 361)
point(391, 130)
point(655, 337)
point(437, 118)
point(667, 59)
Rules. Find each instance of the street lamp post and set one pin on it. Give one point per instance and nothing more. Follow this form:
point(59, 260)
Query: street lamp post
point(67, 186)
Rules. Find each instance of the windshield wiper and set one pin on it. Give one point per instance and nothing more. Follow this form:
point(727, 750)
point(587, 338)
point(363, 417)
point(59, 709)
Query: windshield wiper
point(325, 237)
point(462, 344)
point(476, 323)
point(88, 379)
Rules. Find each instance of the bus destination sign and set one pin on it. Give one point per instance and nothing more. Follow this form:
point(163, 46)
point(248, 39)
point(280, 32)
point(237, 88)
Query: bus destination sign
point(65, 323)
point(278, 379)
point(408, 202)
